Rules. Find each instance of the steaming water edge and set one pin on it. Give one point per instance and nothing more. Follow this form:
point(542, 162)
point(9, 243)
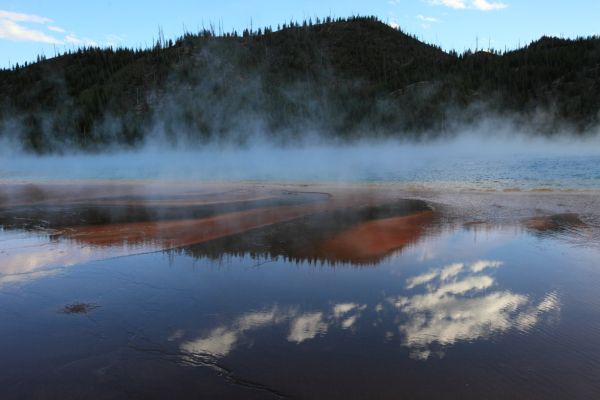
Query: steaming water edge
point(487, 167)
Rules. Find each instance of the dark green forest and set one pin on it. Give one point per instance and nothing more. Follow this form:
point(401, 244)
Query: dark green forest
point(342, 79)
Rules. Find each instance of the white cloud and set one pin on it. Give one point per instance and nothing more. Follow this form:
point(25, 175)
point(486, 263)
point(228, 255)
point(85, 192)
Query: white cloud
point(485, 5)
point(55, 28)
point(423, 18)
point(457, 4)
point(72, 39)
point(482, 5)
point(14, 26)
point(11, 30)
point(20, 17)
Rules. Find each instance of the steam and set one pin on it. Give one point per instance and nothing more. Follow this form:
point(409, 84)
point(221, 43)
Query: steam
point(484, 155)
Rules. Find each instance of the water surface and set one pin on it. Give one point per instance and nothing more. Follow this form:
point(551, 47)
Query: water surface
point(313, 296)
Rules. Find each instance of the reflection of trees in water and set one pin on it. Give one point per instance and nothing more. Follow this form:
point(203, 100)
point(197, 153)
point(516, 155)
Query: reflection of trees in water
point(312, 238)
point(298, 240)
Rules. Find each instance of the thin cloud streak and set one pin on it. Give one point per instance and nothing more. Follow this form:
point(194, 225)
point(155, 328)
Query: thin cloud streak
point(427, 19)
point(481, 5)
point(56, 29)
point(20, 17)
point(13, 27)
point(485, 5)
point(12, 31)
point(72, 39)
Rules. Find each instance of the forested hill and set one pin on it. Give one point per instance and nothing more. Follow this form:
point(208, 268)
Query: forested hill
point(344, 78)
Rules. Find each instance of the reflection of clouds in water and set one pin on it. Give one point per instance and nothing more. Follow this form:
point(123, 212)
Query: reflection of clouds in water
point(307, 326)
point(343, 308)
point(178, 334)
point(220, 341)
point(455, 307)
point(479, 266)
point(450, 271)
point(453, 303)
point(348, 313)
point(420, 279)
point(14, 279)
point(302, 327)
point(27, 256)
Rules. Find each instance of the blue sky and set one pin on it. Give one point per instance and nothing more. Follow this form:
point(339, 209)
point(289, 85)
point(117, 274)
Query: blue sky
point(32, 27)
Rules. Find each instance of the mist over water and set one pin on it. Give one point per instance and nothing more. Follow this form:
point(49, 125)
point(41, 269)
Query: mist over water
point(485, 160)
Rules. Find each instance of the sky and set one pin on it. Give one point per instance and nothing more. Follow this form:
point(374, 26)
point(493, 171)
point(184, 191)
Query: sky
point(32, 27)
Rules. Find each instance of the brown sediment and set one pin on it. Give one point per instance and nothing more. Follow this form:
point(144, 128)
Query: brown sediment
point(373, 240)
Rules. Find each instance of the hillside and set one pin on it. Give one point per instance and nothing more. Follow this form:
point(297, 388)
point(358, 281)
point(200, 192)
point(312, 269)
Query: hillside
point(345, 79)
